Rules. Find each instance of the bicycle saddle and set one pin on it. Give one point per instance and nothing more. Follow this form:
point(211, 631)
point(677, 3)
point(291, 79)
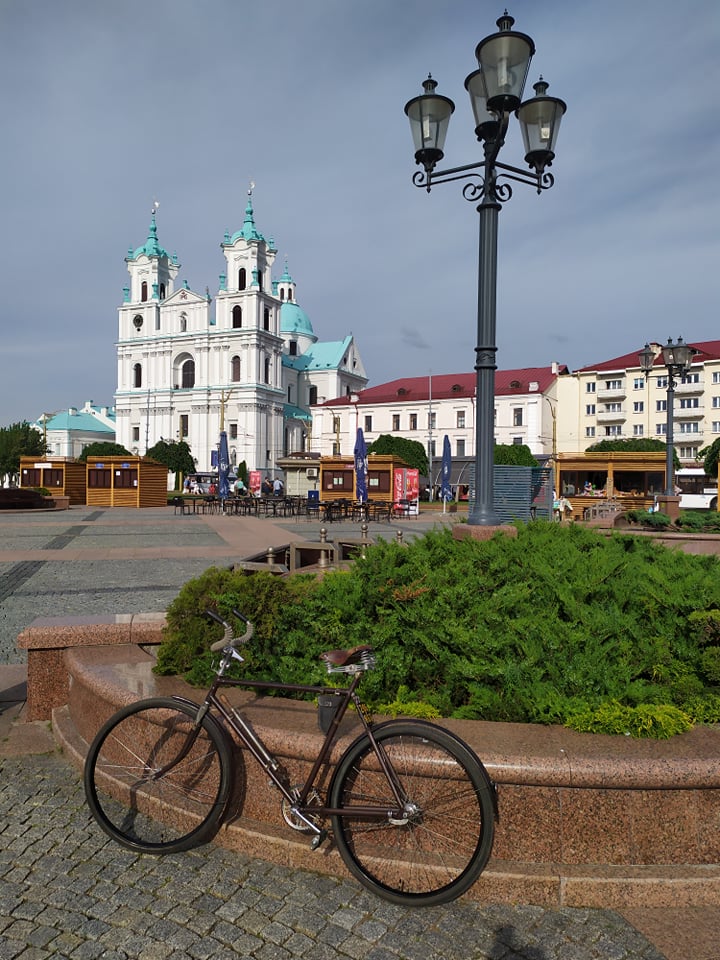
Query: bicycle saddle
point(344, 658)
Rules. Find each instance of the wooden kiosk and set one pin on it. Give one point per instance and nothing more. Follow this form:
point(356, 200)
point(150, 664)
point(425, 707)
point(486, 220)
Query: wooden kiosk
point(337, 478)
point(126, 482)
point(632, 481)
point(62, 476)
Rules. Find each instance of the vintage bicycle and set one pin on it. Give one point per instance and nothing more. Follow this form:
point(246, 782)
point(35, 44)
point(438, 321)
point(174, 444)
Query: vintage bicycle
point(410, 806)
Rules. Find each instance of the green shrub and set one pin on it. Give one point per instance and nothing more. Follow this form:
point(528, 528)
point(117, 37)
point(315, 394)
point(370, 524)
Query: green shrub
point(658, 721)
point(407, 704)
point(710, 664)
point(538, 628)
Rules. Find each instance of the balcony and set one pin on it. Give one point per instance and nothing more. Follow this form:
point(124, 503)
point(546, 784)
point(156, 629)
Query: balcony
point(615, 393)
point(611, 416)
point(686, 389)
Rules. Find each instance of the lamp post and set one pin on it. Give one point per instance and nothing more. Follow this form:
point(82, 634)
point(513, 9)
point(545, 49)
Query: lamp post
point(677, 358)
point(495, 91)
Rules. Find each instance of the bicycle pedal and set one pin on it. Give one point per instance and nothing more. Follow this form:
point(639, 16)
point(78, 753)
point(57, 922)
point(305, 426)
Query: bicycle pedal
point(318, 839)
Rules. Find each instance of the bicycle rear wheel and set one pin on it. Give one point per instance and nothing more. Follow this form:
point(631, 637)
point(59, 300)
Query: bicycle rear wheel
point(440, 845)
point(154, 781)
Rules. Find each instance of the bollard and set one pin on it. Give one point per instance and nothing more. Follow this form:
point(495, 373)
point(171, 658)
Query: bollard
point(364, 536)
point(270, 555)
point(399, 536)
point(323, 561)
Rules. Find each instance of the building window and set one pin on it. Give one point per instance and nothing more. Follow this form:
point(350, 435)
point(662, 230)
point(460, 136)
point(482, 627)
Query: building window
point(235, 369)
point(589, 431)
point(143, 291)
point(688, 453)
point(639, 383)
point(460, 448)
point(368, 423)
point(660, 405)
point(716, 402)
point(661, 429)
point(460, 420)
point(184, 426)
point(413, 421)
point(137, 375)
point(614, 430)
point(233, 431)
point(312, 396)
point(188, 374)
point(267, 369)
point(716, 426)
point(242, 278)
point(638, 430)
point(691, 427)
point(237, 317)
point(517, 417)
point(162, 291)
point(292, 348)
point(638, 406)
point(432, 421)
point(613, 384)
point(266, 318)
point(396, 422)
point(136, 434)
point(716, 376)
point(589, 409)
point(517, 441)
point(183, 323)
point(662, 383)
point(613, 408)
point(590, 386)
point(689, 403)
point(691, 378)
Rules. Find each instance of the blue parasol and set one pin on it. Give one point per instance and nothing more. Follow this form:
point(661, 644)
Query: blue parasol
point(445, 486)
point(361, 467)
point(223, 467)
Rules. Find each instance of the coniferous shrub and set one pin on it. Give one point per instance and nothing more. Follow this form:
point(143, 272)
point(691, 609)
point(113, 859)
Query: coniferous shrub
point(556, 623)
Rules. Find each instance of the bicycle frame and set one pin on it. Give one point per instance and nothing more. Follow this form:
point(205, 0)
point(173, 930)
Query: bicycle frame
point(273, 768)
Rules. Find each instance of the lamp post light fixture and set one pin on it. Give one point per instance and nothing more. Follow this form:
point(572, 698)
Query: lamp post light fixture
point(495, 91)
point(677, 358)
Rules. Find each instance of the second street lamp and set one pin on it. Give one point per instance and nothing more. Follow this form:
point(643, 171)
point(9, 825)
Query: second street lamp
point(495, 91)
point(677, 358)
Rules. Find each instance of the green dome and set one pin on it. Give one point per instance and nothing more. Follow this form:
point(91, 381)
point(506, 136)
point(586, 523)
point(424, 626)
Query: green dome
point(293, 319)
point(151, 247)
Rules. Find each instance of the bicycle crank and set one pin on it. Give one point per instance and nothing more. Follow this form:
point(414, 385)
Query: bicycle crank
point(306, 823)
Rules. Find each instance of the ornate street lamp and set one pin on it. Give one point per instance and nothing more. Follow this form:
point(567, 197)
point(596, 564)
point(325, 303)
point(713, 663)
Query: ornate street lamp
point(495, 91)
point(677, 357)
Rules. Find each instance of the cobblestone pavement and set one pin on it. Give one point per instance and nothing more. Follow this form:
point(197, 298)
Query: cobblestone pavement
point(66, 891)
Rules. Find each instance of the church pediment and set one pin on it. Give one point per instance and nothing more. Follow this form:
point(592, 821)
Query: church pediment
point(184, 296)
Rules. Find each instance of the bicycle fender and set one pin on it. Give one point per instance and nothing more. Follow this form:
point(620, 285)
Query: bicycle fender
point(220, 727)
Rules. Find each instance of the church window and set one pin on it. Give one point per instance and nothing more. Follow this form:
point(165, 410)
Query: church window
point(267, 369)
point(188, 374)
point(242, 278)
point(266, 318)
point(137, 375)
point(289, 295)
point(260, 279)
point(183, 323)
point(237, 317)
point(162, 291)
point(235, 369)
point(144, 291)
point(282, 293)
point(184, 425)
point(292, 348)
point(312, 396)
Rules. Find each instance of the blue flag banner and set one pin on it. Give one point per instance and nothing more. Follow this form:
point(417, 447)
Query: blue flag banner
point(445, 485)
point(223, 467)
point(361, 467)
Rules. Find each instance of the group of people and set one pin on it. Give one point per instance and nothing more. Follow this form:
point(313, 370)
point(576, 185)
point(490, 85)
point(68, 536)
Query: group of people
point(268, 488)
point(272, 488)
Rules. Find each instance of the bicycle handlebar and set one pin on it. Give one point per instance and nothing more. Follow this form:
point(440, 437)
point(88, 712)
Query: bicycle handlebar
point(228, 639)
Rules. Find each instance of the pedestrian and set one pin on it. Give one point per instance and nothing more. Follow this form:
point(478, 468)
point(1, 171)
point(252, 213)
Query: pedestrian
point(277, 487)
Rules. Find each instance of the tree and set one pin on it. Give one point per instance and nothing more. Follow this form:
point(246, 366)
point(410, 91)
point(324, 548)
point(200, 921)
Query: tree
point(514, 454)
point(411, 452)
point(104, 449)
point(18, 440)
point(710, 455)
point(634, 445)
point(175, 456)
point(242, 472)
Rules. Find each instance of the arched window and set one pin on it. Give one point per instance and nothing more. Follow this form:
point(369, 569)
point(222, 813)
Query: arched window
point(267, 369)
point(266, 318)
point(162, 291)
point(188, 374)
point(137, 375)
point(282, 293)
point(183, 323)
point(260, 279)
point(143, 291)
point(242, 278)
point(235, 369)
point(289, 295)
point(313, 396)
point(237, 316)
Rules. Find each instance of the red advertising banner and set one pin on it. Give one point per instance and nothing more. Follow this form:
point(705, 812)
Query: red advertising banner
point(412, 484)
point(254, 482)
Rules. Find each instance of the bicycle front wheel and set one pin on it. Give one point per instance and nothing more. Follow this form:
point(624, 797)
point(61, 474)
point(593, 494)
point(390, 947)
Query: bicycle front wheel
point(438, 847)
point(154, 780)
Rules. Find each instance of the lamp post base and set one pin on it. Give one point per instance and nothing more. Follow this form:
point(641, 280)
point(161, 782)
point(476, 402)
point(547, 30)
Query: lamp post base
point(463, 531)
point(669, 505)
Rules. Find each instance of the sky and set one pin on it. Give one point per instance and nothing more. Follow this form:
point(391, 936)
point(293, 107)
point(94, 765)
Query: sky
point(107, 107)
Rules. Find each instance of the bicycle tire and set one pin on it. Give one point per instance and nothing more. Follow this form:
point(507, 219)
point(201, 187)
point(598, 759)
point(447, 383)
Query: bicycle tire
point(180, 809)
point(437, 852)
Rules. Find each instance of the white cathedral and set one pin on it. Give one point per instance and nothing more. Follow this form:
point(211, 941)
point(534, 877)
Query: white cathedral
point(247, 361)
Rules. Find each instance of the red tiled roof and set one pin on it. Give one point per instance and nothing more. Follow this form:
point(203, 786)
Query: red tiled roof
point(449, 385)
point(709, 350)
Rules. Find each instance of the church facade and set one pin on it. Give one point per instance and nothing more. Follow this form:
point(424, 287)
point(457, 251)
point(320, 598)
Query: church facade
point(247, 360)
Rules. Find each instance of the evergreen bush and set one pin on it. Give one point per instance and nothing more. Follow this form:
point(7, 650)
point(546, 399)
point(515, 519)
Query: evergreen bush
point(556, 624)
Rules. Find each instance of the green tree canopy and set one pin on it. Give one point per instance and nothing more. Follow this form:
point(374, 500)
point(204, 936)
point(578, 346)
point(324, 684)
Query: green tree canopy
point(514, 454)
point(412, 452)
point(175, 456)
point(19, 440)
point(634, 445)
point(710, 458)
point(104, 449)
